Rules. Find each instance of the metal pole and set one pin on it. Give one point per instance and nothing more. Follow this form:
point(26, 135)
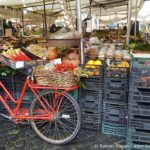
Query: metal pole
point(45, 21)
point(79, 19)
point(23, 20)
point(135, 24)
point(129, 21)
point(79, 28)
point(100, 17)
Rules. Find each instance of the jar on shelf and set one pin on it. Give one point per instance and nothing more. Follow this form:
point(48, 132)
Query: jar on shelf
point(92, 52)
point(110, 54)
point(118, 54)
point(126, 55)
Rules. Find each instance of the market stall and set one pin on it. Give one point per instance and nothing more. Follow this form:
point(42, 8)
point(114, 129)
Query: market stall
point(76, 74)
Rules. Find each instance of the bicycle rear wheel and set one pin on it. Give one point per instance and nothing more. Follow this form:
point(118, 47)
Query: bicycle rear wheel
point(66, 123)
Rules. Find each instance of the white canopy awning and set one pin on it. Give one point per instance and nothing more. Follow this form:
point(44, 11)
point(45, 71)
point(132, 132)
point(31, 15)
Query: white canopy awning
point(106, 8)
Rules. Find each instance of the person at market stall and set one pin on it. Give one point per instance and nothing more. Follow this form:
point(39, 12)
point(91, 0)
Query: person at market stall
point(10, 26)
point(84, 26)
point(52, 28)
point(5, 25)
point(125, 29)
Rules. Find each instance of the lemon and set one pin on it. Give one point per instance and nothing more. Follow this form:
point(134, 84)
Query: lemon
point(92, 67)
point(87, 66)
point(96, 72)
point(90, 73)
point(97, 62)
point(90, 62)
point(125, 64)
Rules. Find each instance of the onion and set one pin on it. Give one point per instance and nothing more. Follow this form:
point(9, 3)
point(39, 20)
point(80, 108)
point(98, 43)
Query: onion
point(52, 53)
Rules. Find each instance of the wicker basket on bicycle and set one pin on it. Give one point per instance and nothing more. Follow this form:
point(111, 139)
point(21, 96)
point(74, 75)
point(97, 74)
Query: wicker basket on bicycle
point(55, 79)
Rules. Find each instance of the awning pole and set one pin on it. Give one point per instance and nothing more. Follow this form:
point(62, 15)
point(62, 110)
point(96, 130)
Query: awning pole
point(129, 21)
point(79, 28)
point(45, 21)
point(22, 20)
point(135, 25)
point(100, 17)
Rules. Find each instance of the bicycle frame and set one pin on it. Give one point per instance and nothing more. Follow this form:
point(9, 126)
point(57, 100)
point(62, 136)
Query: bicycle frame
point(23, 114)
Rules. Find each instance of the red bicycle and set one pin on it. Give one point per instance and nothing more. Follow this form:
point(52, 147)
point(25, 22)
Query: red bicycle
point(54, 115)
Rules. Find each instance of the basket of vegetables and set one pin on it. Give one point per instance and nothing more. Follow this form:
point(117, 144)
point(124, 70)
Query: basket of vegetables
point(61, 75)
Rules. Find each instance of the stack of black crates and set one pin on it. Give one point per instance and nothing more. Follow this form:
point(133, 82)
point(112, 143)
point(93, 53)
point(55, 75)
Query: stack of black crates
point(14, 84)
point(115, 100)
point(139, 105)
point(90, 101)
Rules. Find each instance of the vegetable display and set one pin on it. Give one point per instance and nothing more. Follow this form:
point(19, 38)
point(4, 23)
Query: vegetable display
point(64, 67)
point(142, 46)
point(15, 55)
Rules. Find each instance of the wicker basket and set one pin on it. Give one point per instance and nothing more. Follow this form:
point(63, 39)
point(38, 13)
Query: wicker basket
point(55, 79)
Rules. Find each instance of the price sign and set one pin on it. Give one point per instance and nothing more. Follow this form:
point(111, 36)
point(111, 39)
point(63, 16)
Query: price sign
point(19, 64)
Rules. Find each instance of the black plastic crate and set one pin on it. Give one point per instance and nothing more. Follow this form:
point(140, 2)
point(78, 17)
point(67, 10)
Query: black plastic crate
point(139, 135)
point(114, 114)
point(137, 81)
point(141, 69)
point(116, 97)
point(14, 82)
point(111, 129)
point(14, 85)
point(95, 106)
point(112, 108)
point(139, 123)
point(116, 84)
point(142, 109)
point(91, 118)
point(139, 96)
point(140, 62)
point(92, 96)
point(116, 72)
point(93, 83)
point(91, 111)
point(92, 127)
point(114, 119)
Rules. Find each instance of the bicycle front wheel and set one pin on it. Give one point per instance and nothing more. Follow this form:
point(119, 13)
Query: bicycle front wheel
point(66, 123)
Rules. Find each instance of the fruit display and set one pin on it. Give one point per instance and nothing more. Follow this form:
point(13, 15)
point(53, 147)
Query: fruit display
point(40, 51)
point(52, 53)
point(43, 51)
point(93, 67)
point(120, 64)
point(15, 55)
point(117, 68)
point(111, 34)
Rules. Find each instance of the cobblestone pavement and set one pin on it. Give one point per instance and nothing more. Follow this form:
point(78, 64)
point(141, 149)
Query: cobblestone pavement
point(22, 137)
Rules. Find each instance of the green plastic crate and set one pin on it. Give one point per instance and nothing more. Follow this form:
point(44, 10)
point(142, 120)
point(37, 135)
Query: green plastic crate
point(74, 94)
